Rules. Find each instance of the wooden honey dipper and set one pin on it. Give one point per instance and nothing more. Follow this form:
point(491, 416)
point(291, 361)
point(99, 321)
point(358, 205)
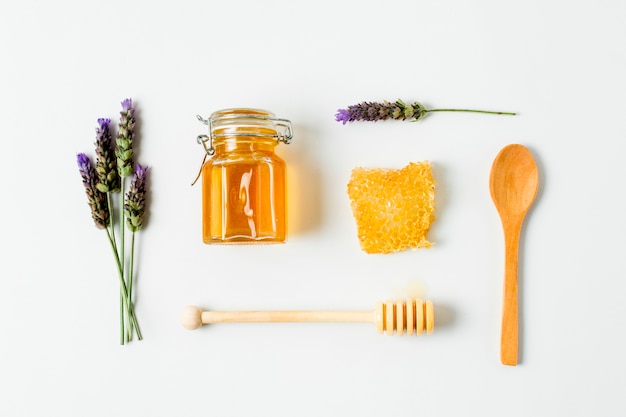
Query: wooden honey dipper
point(414, 317)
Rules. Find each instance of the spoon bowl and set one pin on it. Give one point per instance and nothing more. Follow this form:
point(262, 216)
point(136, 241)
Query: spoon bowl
point(514, 181)
point(513, 184)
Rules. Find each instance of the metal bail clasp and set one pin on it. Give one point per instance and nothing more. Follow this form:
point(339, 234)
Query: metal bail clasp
point(287, 134)
point(203, 139)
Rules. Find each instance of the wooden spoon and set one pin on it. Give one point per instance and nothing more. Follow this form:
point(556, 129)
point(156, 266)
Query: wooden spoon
point(513, 184)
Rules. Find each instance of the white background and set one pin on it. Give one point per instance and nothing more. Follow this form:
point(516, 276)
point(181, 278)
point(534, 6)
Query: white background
point(560, 64)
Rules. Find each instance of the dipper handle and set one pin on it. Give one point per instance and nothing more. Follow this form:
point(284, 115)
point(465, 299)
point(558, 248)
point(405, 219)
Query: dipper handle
point(414, 316)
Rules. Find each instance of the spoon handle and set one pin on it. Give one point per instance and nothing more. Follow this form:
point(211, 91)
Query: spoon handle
point(510, 332)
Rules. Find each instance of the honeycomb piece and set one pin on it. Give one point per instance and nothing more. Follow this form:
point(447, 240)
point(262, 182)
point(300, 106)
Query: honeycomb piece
point(393, 209)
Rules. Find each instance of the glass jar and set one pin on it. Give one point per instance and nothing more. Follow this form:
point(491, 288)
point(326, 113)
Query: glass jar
point(243, 181)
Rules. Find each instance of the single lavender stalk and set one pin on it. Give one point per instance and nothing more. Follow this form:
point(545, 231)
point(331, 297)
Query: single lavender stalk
point(124, 154)
point(134, 208)
point(108, 182)
point(106, 168)
point(372, 112)
point(96, 199)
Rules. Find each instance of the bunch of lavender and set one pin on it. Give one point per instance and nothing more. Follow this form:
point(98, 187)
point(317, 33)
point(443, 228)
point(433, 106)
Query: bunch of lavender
point(372, 112)
point(107, 180)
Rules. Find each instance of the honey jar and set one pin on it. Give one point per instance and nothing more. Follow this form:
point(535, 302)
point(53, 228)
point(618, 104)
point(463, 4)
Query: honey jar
point(243, 180)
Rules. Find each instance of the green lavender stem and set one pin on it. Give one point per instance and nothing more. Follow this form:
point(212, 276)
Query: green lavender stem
point(123, 289)
point(130, 276)
point(122, 321)
point(111, 235)
point(131, 267)
point(471, 111)
point(122, 265)
point(111, 218)
point(123, 256)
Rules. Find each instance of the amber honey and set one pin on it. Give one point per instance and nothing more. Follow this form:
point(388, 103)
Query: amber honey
point(244, 182)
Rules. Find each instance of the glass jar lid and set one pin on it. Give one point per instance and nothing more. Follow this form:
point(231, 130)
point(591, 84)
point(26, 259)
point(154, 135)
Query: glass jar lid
point(243, 122)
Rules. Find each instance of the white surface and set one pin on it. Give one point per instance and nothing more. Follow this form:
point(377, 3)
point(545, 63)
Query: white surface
point(560, 64)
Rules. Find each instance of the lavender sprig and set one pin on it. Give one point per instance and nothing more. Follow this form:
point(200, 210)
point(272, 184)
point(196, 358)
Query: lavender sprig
point(124, 154)
point(398, 110)
point(134, 208)
point(106, 166)
point(97, 200)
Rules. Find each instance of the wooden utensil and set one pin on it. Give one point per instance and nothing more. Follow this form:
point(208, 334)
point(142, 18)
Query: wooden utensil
point(414, 317)
point(513, 184)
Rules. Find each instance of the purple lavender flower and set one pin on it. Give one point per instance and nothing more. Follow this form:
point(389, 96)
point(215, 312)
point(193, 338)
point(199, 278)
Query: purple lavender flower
point(84, 166)
point(372, 112)
point(343, 115)
point(124, 150)
point(127, 104)
point(135, 203)
point(96, 199)
point(106, 166)
point(398, 110)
